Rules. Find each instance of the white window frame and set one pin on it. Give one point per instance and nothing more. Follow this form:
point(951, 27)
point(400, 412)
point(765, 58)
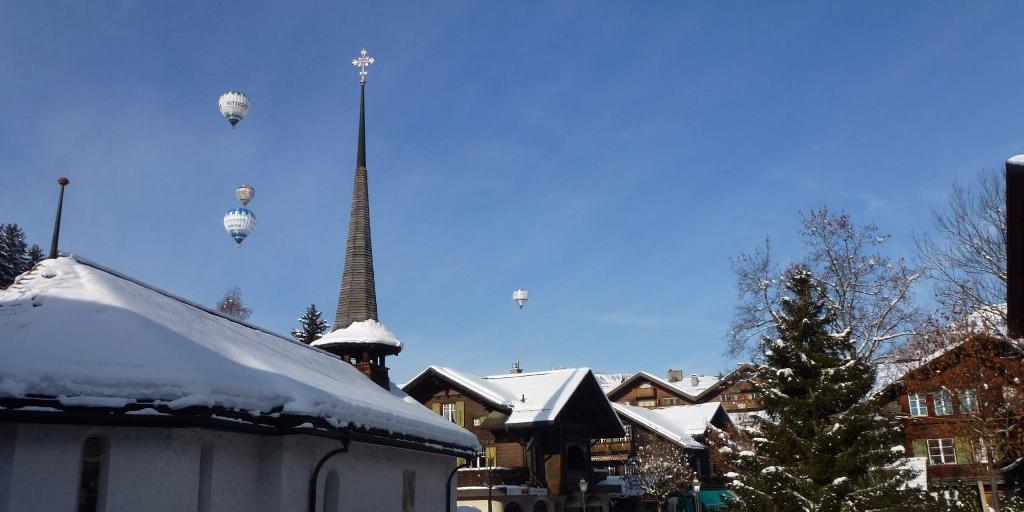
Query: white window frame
point(943, 402)
point(647, 402)
point(918, 404)
point(449, 411)
point(968, 401)
point(941, 451)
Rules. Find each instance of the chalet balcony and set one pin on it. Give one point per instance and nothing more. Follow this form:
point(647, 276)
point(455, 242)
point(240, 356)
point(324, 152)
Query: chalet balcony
point(611, 450)
point(478, 477)
point(644, 392)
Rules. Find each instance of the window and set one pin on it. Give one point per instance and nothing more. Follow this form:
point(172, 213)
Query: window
point(729, 397)
point(918, 405)
point(670, 401)
point(1013, 397)
point(941, 451)
point(980, 453)
point(968, 401)
point(943, 402)
point(89, 483)
point(448, 411)
point(627, 437)
point(647, 402)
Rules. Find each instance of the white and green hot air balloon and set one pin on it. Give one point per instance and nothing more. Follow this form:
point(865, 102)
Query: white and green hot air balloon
point(234, 105)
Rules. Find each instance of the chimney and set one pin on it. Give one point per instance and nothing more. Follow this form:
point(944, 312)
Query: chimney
point(674, 375)
point(1015, 246)
point(515, 368)
point(694, 380)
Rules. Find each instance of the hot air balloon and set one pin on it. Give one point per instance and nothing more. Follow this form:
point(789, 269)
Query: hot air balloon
point(245, 193)
point(239, 222)
point(234, 105)
point(520, 296)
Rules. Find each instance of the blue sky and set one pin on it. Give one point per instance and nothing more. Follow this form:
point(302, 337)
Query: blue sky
point(610, 158)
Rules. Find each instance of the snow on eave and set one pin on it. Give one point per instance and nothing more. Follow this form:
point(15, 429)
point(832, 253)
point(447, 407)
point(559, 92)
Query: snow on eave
point(185, 355)
point(1016, 160)
point(651, 377)
point(365, 332)
point(466, 381)
point(649, 419)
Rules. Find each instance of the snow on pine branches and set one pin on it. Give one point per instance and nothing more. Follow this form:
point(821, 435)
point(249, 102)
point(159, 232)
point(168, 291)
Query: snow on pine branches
point(823, 447)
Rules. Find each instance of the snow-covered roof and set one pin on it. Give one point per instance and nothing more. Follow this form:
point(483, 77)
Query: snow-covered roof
point(89, 337)
point(664, 422)
point(532, 397)
point(610, 381)
point(366, 331)
point(694, 418)
point(684, 387)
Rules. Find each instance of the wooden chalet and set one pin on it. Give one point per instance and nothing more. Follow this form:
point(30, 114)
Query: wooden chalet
point(735, 391)
point(948, 407)
point(536, 429)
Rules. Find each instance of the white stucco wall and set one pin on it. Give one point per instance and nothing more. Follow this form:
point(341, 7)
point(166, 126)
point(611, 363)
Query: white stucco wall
point(158, 469)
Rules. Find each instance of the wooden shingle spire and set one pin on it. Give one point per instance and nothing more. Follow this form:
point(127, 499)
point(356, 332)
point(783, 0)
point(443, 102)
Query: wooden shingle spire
point(357, 300)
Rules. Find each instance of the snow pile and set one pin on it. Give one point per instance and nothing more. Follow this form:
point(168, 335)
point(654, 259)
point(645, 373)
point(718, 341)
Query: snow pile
point(94, 338)
point(666, 422)
point(367, 331)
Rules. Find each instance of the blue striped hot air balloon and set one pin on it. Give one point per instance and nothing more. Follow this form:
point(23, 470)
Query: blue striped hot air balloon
point(239, 223)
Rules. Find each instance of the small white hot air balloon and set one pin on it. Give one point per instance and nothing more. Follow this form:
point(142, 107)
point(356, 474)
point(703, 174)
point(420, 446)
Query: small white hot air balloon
point(520, 296)
point(245, 193)
point(234, 105)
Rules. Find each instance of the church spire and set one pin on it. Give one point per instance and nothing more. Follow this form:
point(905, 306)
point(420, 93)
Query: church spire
point(357, 300)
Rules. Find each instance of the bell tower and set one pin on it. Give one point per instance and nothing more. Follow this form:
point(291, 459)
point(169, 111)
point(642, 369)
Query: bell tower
point(357, 336)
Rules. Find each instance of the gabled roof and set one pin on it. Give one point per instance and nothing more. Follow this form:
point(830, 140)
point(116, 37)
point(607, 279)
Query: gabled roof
point(706, 385)
point(82, 336)
point(529, 397)
point(664, 424)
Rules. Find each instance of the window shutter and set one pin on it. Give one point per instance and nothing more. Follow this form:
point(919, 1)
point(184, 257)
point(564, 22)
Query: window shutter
point(459, 461)
point(963, 450)
point(436, 407)
point(921, 449)
point(460, 413)
point(491, 453)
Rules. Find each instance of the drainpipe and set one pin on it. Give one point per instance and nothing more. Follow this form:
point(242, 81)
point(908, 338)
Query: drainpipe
point(448, 489)
point(316, 474)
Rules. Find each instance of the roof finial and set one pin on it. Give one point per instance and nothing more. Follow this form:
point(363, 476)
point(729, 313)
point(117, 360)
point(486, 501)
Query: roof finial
point(362, 62)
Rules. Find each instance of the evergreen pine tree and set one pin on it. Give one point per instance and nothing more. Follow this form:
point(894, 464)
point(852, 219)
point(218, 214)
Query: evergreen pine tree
point(823, 447)
point(35, 255)
point(312, 326)
point(13, 254)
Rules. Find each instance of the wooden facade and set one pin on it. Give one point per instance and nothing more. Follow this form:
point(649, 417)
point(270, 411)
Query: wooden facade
point(947, 409)
point(735, 391)
point(552, 455)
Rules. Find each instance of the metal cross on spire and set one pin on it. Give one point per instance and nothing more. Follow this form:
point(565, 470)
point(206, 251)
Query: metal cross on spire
point(362, 62)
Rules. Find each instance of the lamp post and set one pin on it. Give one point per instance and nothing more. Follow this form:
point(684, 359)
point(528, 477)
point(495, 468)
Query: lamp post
point(696, 494)
point(583, 495)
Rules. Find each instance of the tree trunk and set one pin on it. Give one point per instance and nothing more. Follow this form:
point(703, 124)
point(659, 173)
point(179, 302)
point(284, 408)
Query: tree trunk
point(994, 504)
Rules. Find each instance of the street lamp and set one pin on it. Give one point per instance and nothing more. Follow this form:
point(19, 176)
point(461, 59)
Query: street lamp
point(583, 492)
point(696, 494)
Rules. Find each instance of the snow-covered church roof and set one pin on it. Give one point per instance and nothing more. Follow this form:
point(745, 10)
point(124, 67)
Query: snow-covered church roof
point(366, 331)
point(78, 337)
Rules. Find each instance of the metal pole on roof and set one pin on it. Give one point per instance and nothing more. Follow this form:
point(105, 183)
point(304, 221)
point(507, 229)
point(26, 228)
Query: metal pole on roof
point(63, 182)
